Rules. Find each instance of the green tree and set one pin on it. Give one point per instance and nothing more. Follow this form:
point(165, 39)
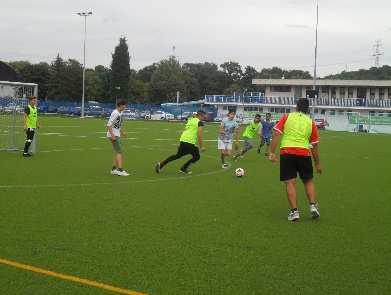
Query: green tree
point(73, 80)
point(210, 79)
point(120, 70)
point(167, 79)
point(249, 74)
point(56, 84)
point(145, 74)
point(381, 73)
point(19, 65)
point(233, 70)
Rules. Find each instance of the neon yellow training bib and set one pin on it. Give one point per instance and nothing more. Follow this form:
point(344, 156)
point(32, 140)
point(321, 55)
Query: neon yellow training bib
point(190, 135)
point(31, 121)
point(297, 131)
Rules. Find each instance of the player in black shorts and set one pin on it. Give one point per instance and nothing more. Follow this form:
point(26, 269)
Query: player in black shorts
point(299, 140)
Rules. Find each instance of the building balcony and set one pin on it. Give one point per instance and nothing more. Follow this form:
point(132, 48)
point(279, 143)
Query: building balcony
point(251, 100)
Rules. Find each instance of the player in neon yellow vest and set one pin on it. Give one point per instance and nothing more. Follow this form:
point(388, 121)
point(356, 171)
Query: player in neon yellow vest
point(187, 144)
point(30, 124)
point(299, 140)
point(248, 135)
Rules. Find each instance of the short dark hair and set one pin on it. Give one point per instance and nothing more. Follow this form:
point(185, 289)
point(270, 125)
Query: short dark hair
point(31, 97)
point(303, 105)
point(201, 112)
point(121, 103)
point(231, 111)
point(268, 114)
point(257, 116)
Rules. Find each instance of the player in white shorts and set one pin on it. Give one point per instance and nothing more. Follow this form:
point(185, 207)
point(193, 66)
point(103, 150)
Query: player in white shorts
point(228, 129)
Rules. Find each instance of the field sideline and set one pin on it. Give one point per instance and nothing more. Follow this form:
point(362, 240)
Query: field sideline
point(209, 233)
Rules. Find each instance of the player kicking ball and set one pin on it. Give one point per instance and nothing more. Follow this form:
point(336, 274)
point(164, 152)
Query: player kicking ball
point(187, 144)
point(248, 135)
point(228, 130)
point(266, 134)
point(114, 133)
point(299, 139)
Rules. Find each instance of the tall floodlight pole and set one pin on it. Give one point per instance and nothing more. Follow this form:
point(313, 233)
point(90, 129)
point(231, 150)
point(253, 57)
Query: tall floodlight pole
point(85, 14)
point(316, 43)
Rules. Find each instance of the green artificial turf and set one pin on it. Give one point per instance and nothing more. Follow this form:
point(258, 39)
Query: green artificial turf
point(209, 233)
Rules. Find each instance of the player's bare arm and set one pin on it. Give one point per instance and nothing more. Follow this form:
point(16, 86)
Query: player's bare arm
point(200, 140)
point(110, 128)
point(315, 156)
point(273, 146)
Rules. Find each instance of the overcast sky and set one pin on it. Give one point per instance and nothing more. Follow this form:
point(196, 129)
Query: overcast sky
point(253, 32)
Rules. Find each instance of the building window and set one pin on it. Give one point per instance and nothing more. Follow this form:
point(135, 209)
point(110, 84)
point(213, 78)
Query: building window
point(323, 112)
point(280, 89)
point(333, 92)
point(372, 93)
point(381, 93)
point(342, 92)
point(332, 112)
point(350, 92)
point(389, 93)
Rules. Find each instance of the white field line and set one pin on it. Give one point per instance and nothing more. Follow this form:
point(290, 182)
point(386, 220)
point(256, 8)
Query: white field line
point(151, 180)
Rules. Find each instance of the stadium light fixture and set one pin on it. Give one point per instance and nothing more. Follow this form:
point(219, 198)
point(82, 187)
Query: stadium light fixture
point(84, 14)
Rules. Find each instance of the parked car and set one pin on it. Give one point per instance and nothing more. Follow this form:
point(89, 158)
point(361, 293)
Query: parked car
point(321, 123)
point(160, 115)
point(184, 116)
point(94, 110)
point(218, 119)
point(129, 115)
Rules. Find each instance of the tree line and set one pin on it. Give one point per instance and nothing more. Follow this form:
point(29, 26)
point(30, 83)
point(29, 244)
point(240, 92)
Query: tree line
point(159, 82)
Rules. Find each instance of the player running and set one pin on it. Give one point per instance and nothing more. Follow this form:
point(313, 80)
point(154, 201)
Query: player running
point(228, 129)
point(114, 133)
point(30, 124)
point(248, 135)
point(187, 144)
point(299, 139)
point(266, 134)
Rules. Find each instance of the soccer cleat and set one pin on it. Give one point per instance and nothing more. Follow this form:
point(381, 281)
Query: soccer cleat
point(259, 151)
point(187, 172)
point(314, 211)
point(27, 155)
point(225, 166)
point(157, 168)
point(113, 171)
point(294, 215)
point(122, 173)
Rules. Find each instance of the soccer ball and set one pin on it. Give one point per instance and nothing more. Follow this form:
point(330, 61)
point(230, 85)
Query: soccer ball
point(239, 172)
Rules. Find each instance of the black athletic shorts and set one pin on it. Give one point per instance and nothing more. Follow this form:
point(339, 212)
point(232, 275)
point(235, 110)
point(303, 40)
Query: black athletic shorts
point(186, 148)
point(290, 165)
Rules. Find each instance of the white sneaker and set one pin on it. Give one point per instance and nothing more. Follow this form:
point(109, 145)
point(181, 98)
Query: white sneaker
point(294, 215)
point(314, 211)
point(122, 173)
point(225, 166)
point(113, 171)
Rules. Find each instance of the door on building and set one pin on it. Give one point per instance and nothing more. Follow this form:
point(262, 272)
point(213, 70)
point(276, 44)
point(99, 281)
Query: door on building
point(298, 92)
point(361, 92)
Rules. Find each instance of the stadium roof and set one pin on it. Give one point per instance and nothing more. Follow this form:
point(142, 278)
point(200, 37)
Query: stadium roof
point(17, 83)
point(322, 82)
point(7, 73)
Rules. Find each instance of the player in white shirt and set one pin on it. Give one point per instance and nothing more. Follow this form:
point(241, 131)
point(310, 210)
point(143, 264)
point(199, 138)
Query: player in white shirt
point(114, 133)
point(228, 130)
